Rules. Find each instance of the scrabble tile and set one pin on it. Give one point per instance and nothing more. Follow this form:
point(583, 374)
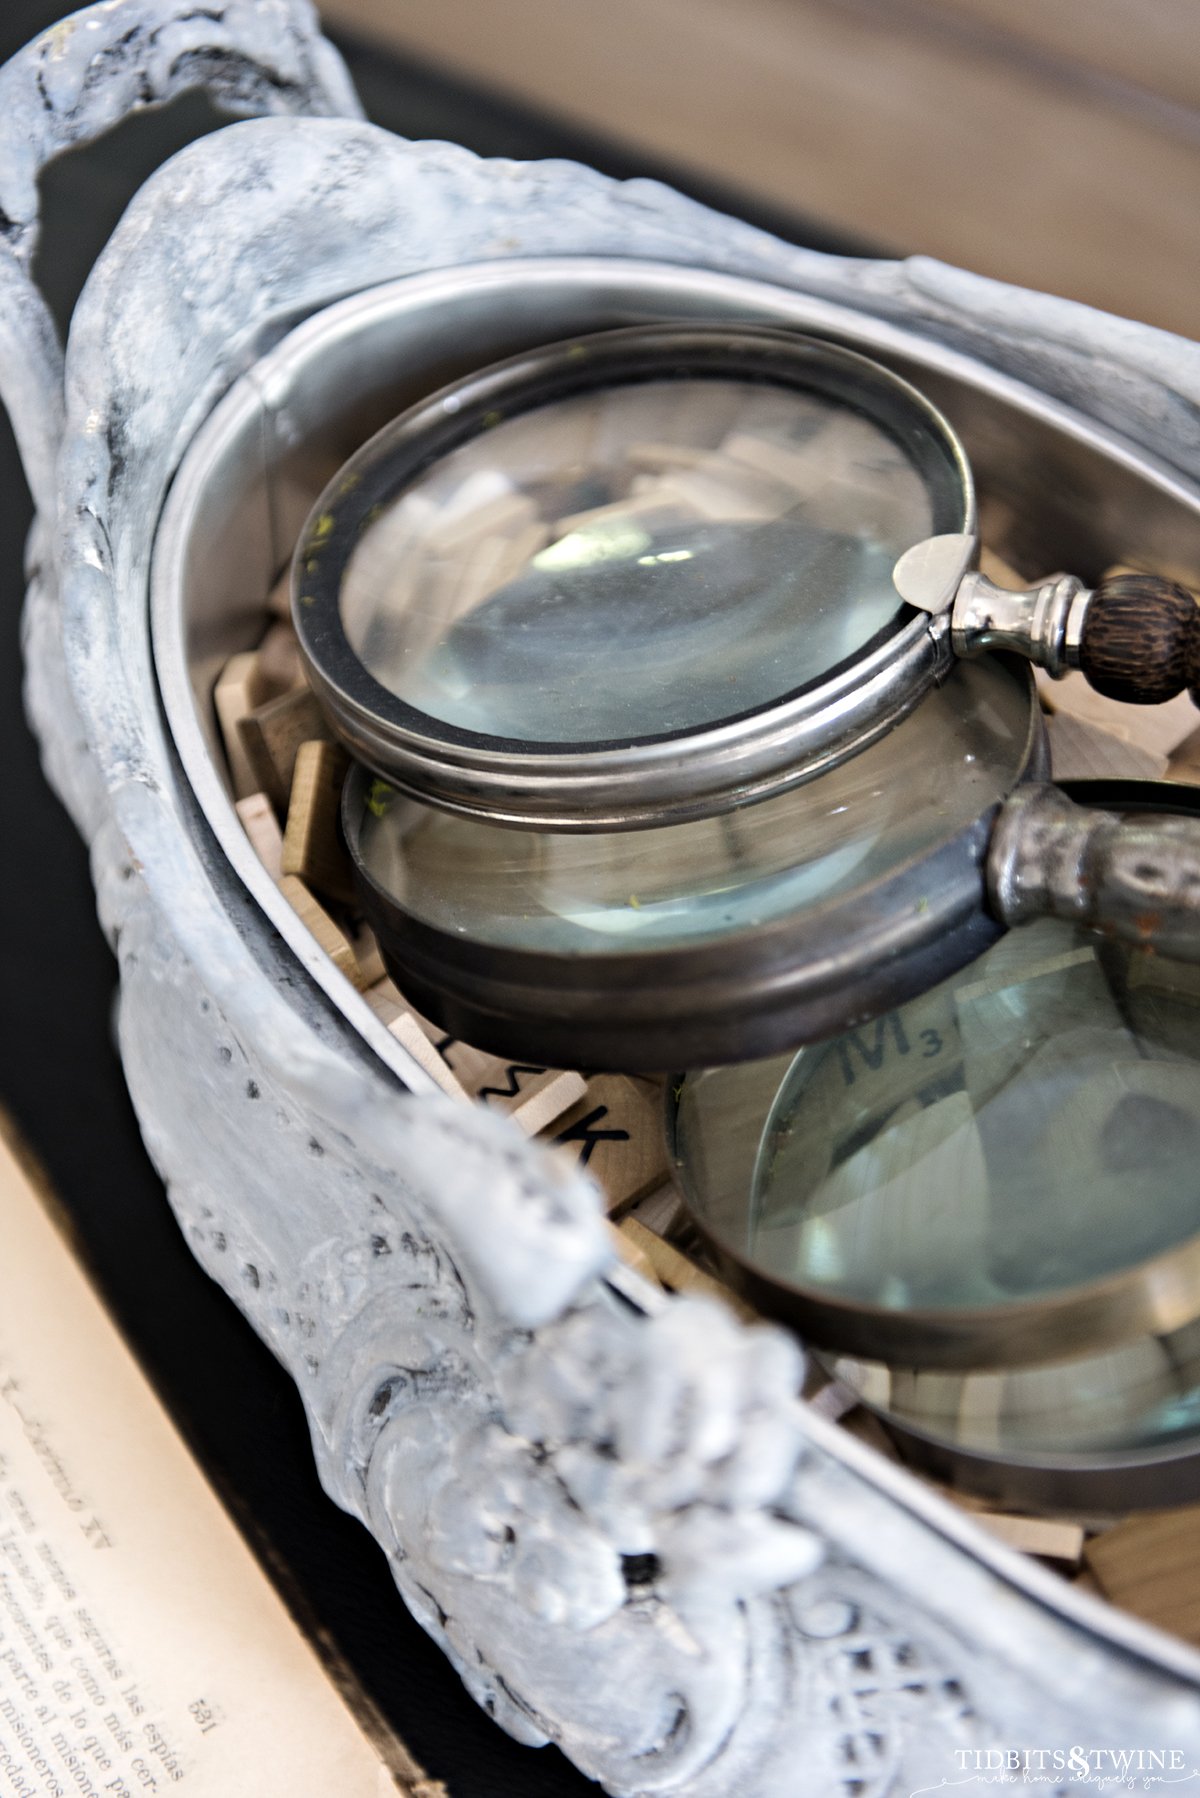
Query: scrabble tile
point(616, 1132)
point(505, 514)
point(312, 842)
point(542, 1099)
point(794, 465)
point(279, 599)
point(370, 959)
point(633, 1256)
point(618, 511)
point(661, 1209)
point(271, 736)
point(384, 1000)
point(828, 1397)
point(318, 922)
point(865, 1427)
point(1159, 730)
point(655, 458)
point(390, 1008)
point(533, 1096)
point(279, 660)
point(675, 1271)
point(1083, 751)
point(1185, 760)
point(1045, 1537)
point(462, 581)
point(262, 827)
point(240, 689)
point(1150, 1565)
point(405, 1027)
point(965, 1501)
point(718, 489)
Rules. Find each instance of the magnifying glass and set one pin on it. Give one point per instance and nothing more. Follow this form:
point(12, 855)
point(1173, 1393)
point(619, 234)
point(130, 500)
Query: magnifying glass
point(657, 647)
point(980, 1210)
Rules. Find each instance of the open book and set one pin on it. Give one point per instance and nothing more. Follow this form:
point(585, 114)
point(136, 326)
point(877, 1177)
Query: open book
point(142, 1649)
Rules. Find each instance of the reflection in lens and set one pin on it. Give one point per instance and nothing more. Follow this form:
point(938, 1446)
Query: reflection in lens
point(636, 560)
point(1032, 1125)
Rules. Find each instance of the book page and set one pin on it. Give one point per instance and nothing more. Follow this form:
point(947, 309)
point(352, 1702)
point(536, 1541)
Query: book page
point(142, 1648)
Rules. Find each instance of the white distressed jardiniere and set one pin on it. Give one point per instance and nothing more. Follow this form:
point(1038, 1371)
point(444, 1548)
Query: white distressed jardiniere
point(609, 1508)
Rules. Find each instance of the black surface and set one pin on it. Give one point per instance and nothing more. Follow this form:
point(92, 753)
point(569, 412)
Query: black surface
point(61, 1082)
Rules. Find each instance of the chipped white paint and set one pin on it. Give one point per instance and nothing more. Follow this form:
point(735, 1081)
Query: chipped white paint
point(620, 1524)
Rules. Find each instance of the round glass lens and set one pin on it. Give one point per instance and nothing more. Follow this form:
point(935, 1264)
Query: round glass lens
point(1030, 1126)
point(955, 756)
point(636, 560)
point(1142, 1395)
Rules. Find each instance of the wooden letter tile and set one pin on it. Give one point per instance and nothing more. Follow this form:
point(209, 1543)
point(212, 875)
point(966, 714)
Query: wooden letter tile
point(1083, 751)
point(632, 1255)
point(312, 841)
point(279, 660)
point(318, 922)
point(616, 1132)
point(1151, 1566)
point(675, 1271)
point(1043, 1536)
point(407, 1030)
point(262, 827)
point(271, 736)
point(1158, 730)
point(1185, 760)
point(239, 690)
point(370, 959)
point(279, 599)
point(531, 1095)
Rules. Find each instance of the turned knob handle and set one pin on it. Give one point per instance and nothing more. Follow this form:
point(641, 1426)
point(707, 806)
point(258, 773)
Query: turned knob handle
point(1140, 640)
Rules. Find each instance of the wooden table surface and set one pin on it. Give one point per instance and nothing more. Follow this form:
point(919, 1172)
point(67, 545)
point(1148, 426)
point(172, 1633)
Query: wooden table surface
point(1052, 143)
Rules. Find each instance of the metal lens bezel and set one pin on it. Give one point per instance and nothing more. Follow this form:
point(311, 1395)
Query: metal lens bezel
point(657, 778)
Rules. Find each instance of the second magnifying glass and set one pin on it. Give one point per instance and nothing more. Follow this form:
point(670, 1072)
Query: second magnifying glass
point(981, 1209)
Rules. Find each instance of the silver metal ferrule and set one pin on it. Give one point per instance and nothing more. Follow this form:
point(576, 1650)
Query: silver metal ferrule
point(1043, 623)
point(1135, 878)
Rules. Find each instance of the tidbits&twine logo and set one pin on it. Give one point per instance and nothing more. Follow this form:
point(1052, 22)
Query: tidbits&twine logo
point(1102, 1769)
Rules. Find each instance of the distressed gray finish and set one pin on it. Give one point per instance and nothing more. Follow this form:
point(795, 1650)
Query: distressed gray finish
point(83, 75)
point(615, 1517)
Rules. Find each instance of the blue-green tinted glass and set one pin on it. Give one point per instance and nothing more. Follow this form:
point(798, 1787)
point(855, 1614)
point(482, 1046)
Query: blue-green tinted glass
point(1029, 1126)
point(635, 560)
point(952, 758)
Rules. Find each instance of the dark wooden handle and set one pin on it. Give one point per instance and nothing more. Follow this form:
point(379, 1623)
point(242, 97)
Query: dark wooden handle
point(1141, 639)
